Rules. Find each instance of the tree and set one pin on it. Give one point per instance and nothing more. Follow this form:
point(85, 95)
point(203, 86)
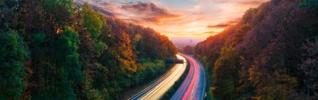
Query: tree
point(226, 75)
point(309, 67)
point(57, 15)
point(13, 53)
point(240, 33)
point(267, 41)
point(125, 52)
point(67, 53)
point(70, 72)
point(188, 49)
point(308, 3)
point(10, 11)
point(92, 21)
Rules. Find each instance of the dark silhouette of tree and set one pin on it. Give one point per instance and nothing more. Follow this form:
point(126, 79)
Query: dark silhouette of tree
point(225, 74)
point(13, 54)
point(310, 69)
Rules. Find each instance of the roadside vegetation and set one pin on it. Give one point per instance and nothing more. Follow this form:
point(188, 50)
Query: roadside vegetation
point(56, 50)
point(270, 54)
point(177, 84)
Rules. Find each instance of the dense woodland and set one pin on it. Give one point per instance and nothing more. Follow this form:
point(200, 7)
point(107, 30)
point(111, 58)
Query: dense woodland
point(57, 50)
point(270, 54)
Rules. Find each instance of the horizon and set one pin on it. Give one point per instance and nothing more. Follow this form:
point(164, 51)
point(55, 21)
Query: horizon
point(189, 20)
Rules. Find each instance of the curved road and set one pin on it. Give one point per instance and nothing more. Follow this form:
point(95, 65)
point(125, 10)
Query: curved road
point(157, 89)
point(193, 86)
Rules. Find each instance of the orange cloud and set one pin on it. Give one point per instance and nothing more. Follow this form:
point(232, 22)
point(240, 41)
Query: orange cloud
point(251, 2)
point(225, 24)
point(222, 25)
point(187, 19)
point(211, 32)
point(138, 13)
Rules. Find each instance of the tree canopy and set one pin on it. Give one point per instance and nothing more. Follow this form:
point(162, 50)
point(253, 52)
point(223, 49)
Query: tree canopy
point(269, 53)
point(53, 49)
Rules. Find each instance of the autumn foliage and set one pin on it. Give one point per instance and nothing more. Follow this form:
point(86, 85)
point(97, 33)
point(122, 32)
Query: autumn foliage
point(57, 50)
point(270, 54)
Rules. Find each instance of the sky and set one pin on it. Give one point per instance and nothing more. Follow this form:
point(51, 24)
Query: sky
point(180, 20)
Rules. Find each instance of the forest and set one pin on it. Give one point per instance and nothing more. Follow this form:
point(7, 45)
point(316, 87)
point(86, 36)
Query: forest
point(270, 54)
point(60, 50)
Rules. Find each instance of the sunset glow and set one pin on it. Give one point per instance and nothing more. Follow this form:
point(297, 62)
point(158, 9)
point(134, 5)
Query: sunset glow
point(158, 49)
point(179, 19)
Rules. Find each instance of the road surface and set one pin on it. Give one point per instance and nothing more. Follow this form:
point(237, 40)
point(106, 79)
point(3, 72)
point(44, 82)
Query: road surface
point(158, 88)
point(193, 86)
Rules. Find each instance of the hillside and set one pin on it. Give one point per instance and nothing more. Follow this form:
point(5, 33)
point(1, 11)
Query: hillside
point(271, 53)
point(53, 49)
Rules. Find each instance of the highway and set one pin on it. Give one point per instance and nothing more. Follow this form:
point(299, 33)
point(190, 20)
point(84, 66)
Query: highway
point(158, 88)
point(193, 87)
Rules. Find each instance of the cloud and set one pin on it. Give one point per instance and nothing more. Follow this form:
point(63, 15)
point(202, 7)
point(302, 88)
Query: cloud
point(147, 8)
point(225, 24)
point(240, 1)
point(178, 18)
point(105, 11)
point(199, 13)
point(251, 2)
point(192, 33)
point(138, 12)
point(210, 32)
point(222, 25)
point(149, 12)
